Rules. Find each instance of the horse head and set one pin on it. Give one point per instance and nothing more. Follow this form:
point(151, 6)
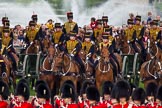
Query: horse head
point(51, 54)
point(105, 54)
point(153, 69)
point(82, 53)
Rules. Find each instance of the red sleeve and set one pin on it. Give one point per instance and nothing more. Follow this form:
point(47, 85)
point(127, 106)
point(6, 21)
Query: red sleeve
point(81, 105)
point(47, 106)
point(3, 104)
point(73, 106)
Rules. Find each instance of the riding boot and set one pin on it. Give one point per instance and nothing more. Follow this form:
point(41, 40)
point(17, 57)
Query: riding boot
point(3, 69)
point(115, 59)
point(134, 47)
point(159, 45)
point(114, 68)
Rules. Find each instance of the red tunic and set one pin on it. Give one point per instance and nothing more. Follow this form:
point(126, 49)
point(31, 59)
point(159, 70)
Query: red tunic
point(3, 104)
point(105, 104)
point(151, 106)
point(121, 106)
point(141, 106)
point(23, 105)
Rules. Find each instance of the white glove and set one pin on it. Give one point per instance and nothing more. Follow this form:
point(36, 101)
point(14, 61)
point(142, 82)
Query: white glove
point(56, 45)
point(155, 42)
point(128, 41)
point(87, 58)
point(98, 58)
point(93, 42)
point(136, 39)
point(31, 43)
point(88, 54)
point(72, 55)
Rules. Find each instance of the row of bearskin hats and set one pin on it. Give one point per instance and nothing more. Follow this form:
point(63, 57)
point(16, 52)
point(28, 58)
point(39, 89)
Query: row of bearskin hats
point(121, 89)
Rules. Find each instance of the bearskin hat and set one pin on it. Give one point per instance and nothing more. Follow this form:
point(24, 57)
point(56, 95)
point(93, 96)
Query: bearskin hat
point(34, 17)
point(122, 89)
point(68, 91)
point(4, 19)
point(87, 35)
point(93, 93)
point(6, 30)
point(130, 21)
point(70, 15)
point(4, 90)
point(6, 23)
point(159, 93)
point(39, 82)
point(72, 33)
point(107, 87)
point(22, 89)
point(32, 23)
point(99, 21)
point(43, 91)
point(24, 81)
point(138, 18)
point(105, 18)
point(58, 25)
point(139, 94)
point(85, 84)
point(151, 89)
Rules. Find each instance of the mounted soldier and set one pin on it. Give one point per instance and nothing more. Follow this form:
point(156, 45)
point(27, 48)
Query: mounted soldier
point(73, 47)
point(130, 34)
point(37, 25)
point(58, 36)
point(154, 30)
point(70, 25)
point(89, 47)
point(32, 34)
point(97, 36)
point(139, 33)
point(7, 41)
point(108, 41)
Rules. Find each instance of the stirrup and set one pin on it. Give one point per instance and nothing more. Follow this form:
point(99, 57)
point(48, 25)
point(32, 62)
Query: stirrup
point(4, 75)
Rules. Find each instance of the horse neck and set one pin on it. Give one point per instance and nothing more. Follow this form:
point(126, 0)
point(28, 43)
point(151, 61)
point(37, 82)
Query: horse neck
point(47, 64)
point(66, 61)
point(126, 49)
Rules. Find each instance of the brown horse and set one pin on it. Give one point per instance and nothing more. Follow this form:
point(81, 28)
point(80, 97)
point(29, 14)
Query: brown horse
point(46, 44)
point(104, 71)
point(151, 71)
point(88, 75)
point(124, 46)
point(67, 68)
point(33, 48)
point(46, 69)
point(8, 71)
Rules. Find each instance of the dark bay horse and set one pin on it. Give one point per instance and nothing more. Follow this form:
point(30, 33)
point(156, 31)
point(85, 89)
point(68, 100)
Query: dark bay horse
point(89, 70)
point(124, 46)
point(67, 68)
point(151, 71)
point(46, 69)
point(104, 69)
